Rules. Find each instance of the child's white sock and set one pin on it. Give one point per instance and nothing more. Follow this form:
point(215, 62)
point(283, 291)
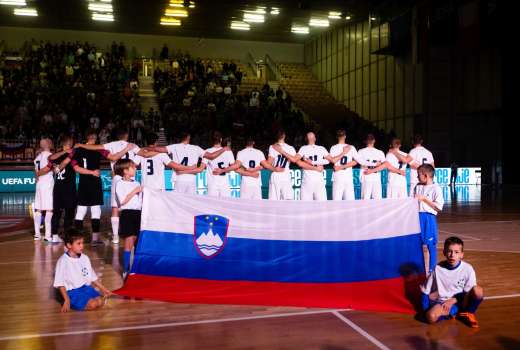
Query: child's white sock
point(115, 227)
point(37, 221)
point(48, 218)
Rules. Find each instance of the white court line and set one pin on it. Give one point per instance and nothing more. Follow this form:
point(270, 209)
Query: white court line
point(502, 296)
point(165, 325)
point(478, 222)
point(492, 250)
point(361, 331)
point(461, 235)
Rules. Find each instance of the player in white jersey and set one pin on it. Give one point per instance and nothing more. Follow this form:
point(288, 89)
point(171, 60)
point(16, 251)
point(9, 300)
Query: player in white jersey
point(190, 156)
point(217, 168)
point(344, 158)
point(279, 159)
point(370, 158)
point(312, 159)
point(44, 188)
point(152, 168)
point(251, 161)
point(418, 156)
point(396, 185)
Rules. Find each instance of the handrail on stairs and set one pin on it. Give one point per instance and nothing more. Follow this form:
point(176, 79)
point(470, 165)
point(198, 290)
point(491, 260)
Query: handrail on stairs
point(273, 66)
point(250, 60)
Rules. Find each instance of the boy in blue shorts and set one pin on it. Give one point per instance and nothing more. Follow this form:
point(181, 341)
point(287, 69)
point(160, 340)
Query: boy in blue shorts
point(452, 290)
point(431, 202)
point(74, 277)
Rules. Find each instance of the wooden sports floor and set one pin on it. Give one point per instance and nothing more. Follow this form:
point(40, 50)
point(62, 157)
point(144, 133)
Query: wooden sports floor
point(30, 317)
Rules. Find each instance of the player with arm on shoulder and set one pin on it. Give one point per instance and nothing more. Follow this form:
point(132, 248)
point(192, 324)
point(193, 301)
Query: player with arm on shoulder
point(250, 161)
point(152, 168)
point(279, 159)
point(343, 156)
point(396, 185)
point(312, 158)
point(189, 156)
point(217, 168)
point(419, 155)
point(370, 158)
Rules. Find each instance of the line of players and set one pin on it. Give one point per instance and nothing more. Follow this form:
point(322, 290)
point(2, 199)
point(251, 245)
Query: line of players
point(56, 173)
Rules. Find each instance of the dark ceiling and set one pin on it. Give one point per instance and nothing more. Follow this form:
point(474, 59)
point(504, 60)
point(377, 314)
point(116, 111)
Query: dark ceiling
point(209, 18)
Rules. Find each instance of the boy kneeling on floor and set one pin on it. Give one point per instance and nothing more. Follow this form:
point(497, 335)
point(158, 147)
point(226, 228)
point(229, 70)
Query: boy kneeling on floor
point(74, 277)
point(452, 290)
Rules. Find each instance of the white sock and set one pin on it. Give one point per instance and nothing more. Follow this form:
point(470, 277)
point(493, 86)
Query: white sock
point(115, 226)
point(48, 218)
point(37, 221)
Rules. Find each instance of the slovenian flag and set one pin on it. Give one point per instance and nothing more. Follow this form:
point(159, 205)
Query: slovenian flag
point(335, 254)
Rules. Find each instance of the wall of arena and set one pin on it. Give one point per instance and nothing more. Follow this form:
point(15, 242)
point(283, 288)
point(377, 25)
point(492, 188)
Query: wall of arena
point(144, 45)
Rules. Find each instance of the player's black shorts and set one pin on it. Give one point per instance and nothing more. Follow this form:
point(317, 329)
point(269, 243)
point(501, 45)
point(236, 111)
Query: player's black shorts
point(90, 192)
point(64, 197)
point(129, 223)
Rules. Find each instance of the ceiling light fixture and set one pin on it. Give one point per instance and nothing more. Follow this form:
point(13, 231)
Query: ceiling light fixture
point(106, 17)
point(239, 25)
point(13, 2)
point(275, 11)
point(300, 29)
point(253, 17)
point(100, 6)
point(319, 22)
point(334, 15)
point(348, 18)
point(26, 11)
point(166, 21)
point(176, 13)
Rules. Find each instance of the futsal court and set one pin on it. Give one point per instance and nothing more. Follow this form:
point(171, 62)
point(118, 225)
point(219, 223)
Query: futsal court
point(31, 319)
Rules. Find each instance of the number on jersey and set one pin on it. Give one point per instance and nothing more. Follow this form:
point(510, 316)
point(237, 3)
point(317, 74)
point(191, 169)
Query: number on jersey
point(149, 167)
point(281, 161)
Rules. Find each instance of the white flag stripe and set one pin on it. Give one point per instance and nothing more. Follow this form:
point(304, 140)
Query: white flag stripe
point(284, 220)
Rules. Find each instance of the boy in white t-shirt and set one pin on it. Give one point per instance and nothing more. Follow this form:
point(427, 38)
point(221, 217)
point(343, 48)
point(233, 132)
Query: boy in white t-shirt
point(75, 276)
point(431, 201)
point(452, 287)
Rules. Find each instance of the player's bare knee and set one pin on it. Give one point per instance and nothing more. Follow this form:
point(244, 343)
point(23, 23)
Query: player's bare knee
point(431, 316)
point(478, 292)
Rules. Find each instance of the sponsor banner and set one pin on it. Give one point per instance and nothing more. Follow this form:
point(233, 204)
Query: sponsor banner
point(23, 181)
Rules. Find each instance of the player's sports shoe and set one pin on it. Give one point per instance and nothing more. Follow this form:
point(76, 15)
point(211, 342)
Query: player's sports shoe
point(115, 240)
point(37, 237)
point(47, 239)
point(56, 239)
point(468, 318)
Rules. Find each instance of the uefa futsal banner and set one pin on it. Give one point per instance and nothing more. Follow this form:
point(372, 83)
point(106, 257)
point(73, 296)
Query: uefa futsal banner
point(353, 254)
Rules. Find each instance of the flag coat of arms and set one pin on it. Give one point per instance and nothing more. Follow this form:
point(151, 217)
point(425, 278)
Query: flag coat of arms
point(355, 254)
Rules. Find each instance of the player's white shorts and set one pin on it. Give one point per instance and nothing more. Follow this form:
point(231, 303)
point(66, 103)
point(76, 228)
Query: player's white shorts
point(396, 187)
point(113, 200)
point(280, 189)
point(313, 190)
point(343, 189)
point(250, 191)
point(371, 188)
point(186, 187)
point(43, 197)
point(219, 188)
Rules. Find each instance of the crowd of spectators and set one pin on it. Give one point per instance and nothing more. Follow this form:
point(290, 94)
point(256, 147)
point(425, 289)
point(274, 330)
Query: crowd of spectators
point(204, 95)
point(50, 89)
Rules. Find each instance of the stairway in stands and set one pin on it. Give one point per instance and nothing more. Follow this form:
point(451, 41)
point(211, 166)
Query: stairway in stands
point(147, 95)
point(310, 95)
